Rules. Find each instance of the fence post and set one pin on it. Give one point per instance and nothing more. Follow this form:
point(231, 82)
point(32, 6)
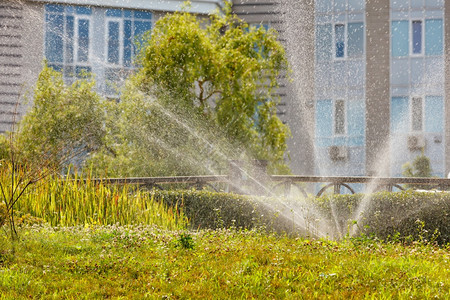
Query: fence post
point(260, 179)
point(236, 176)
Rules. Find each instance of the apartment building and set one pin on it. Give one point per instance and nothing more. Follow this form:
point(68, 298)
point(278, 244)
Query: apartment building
point(380, 85)
point(74, 36)
point(367, 91)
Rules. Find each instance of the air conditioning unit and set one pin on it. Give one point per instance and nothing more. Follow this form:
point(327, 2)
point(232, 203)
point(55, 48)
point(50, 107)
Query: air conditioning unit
point(338, 153)
point(416, 142)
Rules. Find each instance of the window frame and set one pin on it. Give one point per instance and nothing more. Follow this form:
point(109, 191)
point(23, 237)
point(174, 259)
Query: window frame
point(346, 24)
point(76, 45)
point(69, 68)
point(423, 36)
point(411, 37)
point(120, 20)
point(334, 41)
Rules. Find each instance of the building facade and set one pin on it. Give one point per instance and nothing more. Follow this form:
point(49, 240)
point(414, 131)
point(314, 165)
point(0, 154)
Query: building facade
point(380, 86)
point(367, 92)
point(74, 36)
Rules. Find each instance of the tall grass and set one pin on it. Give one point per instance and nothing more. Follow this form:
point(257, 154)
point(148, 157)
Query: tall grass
point(81, 201)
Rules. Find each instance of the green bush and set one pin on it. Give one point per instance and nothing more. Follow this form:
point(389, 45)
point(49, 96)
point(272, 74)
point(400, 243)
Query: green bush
point(423, 216)
point(223, 210)
point(415, 216)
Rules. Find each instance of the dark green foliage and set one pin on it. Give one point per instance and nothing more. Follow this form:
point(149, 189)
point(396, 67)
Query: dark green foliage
point(185, 241)
point(388, 216)
point(421, 167)
point(406, 215)
point(222, 210)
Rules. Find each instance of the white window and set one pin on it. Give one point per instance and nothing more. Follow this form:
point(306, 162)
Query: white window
point(417, 37)
point(348, 40)
point(124, 28)
point(67, 38)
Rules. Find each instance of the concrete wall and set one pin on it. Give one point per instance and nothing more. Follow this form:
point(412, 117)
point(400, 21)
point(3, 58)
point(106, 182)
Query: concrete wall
point(377, 87)
point(299, 36)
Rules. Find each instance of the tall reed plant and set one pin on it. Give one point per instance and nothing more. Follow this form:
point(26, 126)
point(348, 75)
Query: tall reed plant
point(81, 201)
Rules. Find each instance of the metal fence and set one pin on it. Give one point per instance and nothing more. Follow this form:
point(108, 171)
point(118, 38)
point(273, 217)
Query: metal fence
point(283, 183)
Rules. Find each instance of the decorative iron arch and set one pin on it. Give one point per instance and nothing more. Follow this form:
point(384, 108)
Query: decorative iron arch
point(288, 185)
point(337, 188)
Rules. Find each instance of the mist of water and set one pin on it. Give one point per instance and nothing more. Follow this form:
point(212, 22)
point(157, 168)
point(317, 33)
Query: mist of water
point(298, 24)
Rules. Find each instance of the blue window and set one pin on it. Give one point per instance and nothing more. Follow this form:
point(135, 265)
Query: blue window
point(324, 118)
point(54, 34)
point(434, 37)
point(355, 5)
point(400, 38)
point(356, 118)
point(54, 8)
point(348, 40)
point(399, 115)
point(83, 10)
point(417, 114)
point(426, 37)
point(83, 40)
point(323, 6)
point(127, 43)
point(416, 37)
point(434, 114)
point(70, 35)
point(355, 39)
point(125, 31)
point(339, 36)
point(114, 13)
point(113, 42)
point(324, 38)
point(67, 34)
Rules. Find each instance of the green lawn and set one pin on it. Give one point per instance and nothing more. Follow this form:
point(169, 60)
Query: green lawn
point(137, 262)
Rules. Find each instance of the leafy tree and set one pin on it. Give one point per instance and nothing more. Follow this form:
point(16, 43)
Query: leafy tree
point(64, 124)
point(420, 167)
point(62, 121)
point(216, 75)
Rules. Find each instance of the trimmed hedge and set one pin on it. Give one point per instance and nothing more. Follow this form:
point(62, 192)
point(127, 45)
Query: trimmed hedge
point(224, 210)
point(406, 215)
point(409, 215)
